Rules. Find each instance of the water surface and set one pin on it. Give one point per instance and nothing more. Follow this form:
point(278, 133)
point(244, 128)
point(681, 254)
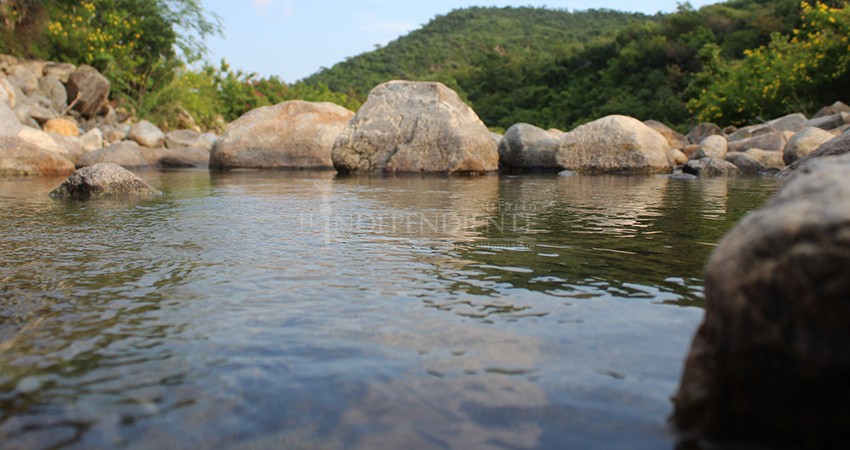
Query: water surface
point(302, 310)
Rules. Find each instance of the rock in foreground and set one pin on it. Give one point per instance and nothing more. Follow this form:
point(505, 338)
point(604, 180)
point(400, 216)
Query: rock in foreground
point(291, 135)
point(614, 144)
point(770, 363)
point(103, 180)
point(409, 126)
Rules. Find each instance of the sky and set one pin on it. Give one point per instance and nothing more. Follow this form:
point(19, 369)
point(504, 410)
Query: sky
point(293, 39)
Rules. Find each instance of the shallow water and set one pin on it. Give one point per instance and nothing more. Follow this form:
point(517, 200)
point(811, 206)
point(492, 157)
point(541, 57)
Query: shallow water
point(302, 310)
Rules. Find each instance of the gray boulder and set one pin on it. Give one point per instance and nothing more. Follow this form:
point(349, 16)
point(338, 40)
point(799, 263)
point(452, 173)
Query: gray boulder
point(836, 146)
point(714, 146)
point(89, 89)
point(290, 135)
point(9, 123)
point(147, 134)
point(747, 164)
point(527, 147)
point(772, 141)
point(702, 131)
point(54, 90)
point(710, 167)
point(189, 138)
point(804, 142)
point(792, 122)
point(126, 154)
point(103, 180)
point(19, 157)
point(675, 139)
point(407, 126)
point(769, 365)
point(830, 122)
point(614, 144)
point(60, 71)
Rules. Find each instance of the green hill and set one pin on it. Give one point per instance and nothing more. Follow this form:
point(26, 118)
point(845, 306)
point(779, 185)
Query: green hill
point(556, 68)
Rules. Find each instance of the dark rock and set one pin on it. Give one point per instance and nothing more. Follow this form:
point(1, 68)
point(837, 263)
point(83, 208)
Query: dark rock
point(702, 131)
point(103, 180)
point(89, 88)
point(747, 164)
point(770, 363)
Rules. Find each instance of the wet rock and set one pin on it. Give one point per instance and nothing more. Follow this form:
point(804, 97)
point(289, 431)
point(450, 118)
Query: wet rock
point(710, 167)
point(675, 139)
point(772, 141)
point(64, 127)
point(747, 164)
point(614, 144)
point(89, 89)
point(126, 154)
point(147, 134)
point(804, 142)
point(9, 123)
point(527, 147)
point(103, 180)
point(714, 146)
point(290, 135)
point(19, 157)
point(702, 131)
point(836, 146)
point(769, 365)
point(409, 126)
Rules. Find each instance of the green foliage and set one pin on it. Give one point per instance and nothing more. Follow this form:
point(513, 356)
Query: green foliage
point(798, 73)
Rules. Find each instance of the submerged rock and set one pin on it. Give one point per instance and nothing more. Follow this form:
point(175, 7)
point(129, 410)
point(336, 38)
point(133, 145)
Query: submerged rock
point(103, 180)
point(407, 126)
point(614, 144)
point(770, 363)
point(290, 135)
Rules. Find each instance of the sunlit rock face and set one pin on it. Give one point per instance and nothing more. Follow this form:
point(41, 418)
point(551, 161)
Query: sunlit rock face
point(290, 135)
point(614, 144)
point(770, 363)
point(407, 126)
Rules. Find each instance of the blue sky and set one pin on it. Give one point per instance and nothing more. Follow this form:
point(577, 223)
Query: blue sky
point(295, 38)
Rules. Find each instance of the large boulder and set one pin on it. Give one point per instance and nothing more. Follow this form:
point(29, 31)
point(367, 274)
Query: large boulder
point(103, 180)
point(804, 142)
point(126, 154)
point(9, 123)
point(290, 135)
point(527, 147)
point(710, 167)
point(769, 365)
point(834, 147)
point(674, 138)
point(147, 134)
point(409, 126)
point(89, 89)
point(714, 146)
point(614, 144)
point(19, 157)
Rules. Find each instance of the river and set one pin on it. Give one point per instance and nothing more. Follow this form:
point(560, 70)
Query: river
point(303, 310)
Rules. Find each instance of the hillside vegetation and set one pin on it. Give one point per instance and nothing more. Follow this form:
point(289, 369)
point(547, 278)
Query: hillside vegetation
point(734, 62)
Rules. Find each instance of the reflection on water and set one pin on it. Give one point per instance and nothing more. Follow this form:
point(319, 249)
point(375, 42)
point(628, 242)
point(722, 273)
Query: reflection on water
point(302, 310)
